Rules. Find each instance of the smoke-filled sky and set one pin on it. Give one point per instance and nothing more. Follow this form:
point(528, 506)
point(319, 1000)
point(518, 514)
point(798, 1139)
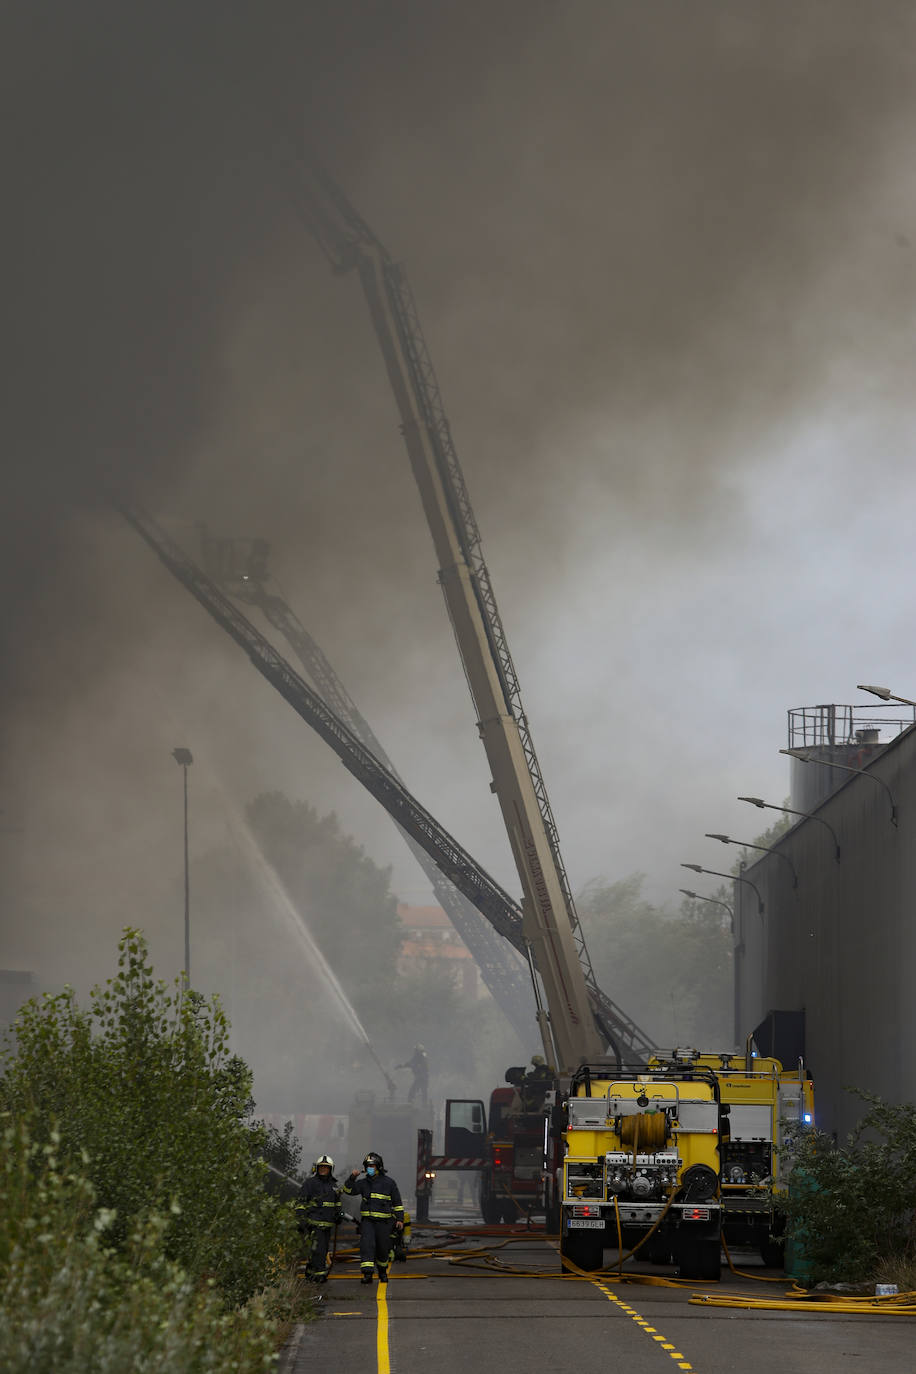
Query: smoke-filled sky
point(664, 258)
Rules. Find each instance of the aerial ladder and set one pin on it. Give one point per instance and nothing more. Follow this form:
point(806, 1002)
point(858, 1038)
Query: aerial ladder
point(240, 567)
point(500, 910)
point(571, 1030)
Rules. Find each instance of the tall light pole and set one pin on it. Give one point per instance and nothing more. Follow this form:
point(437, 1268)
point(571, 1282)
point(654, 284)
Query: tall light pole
point(766, 849)
point(184, 759)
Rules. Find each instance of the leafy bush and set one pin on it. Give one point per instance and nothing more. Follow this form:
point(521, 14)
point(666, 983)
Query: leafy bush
point(150, 1107)
point(852, 1209)
point(282, 1150)
point(71, 1302)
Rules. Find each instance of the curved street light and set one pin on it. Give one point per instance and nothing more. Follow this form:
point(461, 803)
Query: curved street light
point(804, 757)
point(884, 693)
point(698, 897)
point(807, 815)
point(732, 878)
point(746, 844)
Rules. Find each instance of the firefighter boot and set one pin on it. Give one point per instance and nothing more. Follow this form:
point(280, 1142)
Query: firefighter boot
point(383, 1275)
point(367, 1276)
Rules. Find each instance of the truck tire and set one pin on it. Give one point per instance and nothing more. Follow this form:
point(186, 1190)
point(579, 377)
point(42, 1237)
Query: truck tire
point(490, 1209)
point(711, 1258)
point(700, 1257)
point(585, 1249)
point(656, 1252)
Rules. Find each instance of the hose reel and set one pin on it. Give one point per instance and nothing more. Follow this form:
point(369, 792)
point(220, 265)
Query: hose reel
point(644, 1131)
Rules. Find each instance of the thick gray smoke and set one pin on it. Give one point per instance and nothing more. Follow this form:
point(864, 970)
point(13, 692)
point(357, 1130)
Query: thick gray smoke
point(657, 248)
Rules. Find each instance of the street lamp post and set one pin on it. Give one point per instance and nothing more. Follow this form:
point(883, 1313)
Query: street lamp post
point(766, 849)
point(806, 815)
point(184, 759)
point(804, 757)
point(732, 877)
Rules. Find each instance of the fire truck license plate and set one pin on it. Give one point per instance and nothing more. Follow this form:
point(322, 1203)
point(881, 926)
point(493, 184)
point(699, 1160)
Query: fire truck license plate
point(586, 1224)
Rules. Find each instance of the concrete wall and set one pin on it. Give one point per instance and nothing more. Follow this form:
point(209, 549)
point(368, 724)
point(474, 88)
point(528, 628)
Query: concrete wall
point(842, 944)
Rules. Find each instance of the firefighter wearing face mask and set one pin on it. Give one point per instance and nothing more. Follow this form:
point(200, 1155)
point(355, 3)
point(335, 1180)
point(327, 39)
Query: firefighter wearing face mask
point(381, 1213)
point(319, 1209)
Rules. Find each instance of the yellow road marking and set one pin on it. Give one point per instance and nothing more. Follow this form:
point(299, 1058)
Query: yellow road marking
point(381, 1334)
point(649, 1330)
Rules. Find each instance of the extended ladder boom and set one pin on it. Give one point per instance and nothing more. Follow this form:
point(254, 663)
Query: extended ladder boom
point(551, 922)
point(240, 565)
point(457, 865)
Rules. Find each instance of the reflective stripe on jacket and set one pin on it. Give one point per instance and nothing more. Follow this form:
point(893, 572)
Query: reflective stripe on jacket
point(319, 1200)
point(380, 1197)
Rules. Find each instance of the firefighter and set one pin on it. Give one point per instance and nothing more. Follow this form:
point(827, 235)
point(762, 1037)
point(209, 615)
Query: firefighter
point(535, 1084)
point(381, 1212)
point(419, 1067)
point(319, 1208)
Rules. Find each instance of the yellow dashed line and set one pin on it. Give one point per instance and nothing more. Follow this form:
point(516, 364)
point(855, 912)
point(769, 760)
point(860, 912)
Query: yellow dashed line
point(649, 1330)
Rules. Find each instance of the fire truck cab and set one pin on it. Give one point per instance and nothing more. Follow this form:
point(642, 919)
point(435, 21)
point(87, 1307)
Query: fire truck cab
point(514, 1142)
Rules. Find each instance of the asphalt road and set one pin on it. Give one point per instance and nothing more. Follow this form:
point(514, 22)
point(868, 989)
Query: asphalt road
point(445, 1317)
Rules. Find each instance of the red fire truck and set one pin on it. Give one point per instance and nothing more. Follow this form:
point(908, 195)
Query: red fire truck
point(514, 1147)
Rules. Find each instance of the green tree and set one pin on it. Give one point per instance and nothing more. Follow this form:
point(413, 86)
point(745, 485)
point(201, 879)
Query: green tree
point(672, 972)
point(343, 896)
point(70, 1301)
point(256, 944)
point(142, 1092)
point(851, 1209)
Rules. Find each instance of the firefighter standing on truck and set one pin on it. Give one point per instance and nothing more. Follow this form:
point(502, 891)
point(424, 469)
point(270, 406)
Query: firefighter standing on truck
point(319, 1209)
point(419, 1067)
point(381, 1212)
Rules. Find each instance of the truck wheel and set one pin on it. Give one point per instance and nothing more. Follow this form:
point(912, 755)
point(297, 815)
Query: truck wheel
point(710, 1258)
point(687, 1258)
point(583, 1248)
point(657, 1252)
point(700, 1257)
point(490, 1209)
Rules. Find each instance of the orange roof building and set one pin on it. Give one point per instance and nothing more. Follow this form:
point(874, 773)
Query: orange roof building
point(429, 937)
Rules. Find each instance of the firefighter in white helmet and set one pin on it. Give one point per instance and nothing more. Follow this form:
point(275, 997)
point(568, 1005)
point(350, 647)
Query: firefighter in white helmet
point(319, 1210)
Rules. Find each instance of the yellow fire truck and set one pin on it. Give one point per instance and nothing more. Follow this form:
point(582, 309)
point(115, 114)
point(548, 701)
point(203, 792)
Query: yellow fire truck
point(641, 1169)
point(758, 1096)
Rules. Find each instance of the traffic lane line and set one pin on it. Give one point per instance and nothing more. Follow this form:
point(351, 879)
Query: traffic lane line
point(669, 1347)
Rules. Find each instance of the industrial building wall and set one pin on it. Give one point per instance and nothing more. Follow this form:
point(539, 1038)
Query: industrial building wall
point(842, 944)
